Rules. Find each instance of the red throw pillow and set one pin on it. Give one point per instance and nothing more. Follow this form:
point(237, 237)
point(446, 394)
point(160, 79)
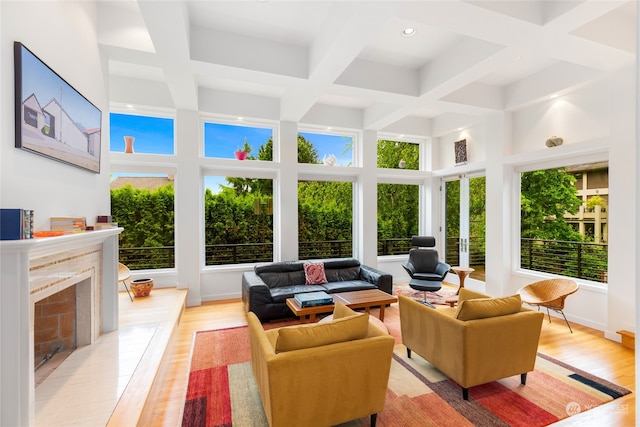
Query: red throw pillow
point(314, 273)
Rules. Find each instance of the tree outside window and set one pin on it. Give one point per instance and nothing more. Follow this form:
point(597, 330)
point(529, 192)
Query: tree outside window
point(555, 231)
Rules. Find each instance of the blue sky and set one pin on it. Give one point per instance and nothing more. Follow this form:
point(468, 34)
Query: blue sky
point(154, 135)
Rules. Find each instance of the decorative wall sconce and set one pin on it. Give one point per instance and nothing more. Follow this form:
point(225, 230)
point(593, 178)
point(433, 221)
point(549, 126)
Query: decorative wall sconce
point(461, 151)
point(554, 141)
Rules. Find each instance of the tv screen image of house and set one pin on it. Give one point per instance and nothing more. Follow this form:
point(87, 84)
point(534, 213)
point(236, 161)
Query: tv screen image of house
point(52, 118)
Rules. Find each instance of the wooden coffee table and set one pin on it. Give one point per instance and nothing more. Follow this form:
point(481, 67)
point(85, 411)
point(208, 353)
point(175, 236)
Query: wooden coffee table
point(355, 299)
point(308, 314)
point(366, 299)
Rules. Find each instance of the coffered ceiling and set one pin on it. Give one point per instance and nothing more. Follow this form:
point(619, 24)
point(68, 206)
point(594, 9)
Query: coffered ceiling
point(347, 64)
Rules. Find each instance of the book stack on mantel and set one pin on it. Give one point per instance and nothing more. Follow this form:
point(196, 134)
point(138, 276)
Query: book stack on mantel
point(312, 299)
point(104, 222)
point(68, 224)
point(16, 224)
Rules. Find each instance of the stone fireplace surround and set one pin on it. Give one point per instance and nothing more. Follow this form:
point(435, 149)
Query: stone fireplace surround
point(31, 270)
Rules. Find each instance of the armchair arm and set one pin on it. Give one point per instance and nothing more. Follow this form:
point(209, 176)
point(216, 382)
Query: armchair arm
point(442, 269)
point(408, 267)
point(384, 281)
point(504, 345)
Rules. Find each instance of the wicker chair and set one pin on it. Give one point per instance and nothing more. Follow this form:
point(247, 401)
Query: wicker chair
point(123, 274)
point(549, 293)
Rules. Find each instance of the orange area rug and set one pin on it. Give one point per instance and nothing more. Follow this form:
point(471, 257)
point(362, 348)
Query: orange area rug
point(222, 391)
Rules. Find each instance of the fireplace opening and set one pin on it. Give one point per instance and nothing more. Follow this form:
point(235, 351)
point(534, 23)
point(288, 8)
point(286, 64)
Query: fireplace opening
point(57, 327)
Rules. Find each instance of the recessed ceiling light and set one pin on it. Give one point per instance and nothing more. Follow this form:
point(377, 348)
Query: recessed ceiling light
point(555, 95)
point(129, 106)
point(240, 119)
point(408, 32)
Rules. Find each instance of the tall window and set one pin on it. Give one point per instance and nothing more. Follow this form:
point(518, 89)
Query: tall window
point(325, 219)
point(328, 149)
point(143, 204)
point(563, 221)
point(232, 141)
point(398, 155)
point(238, 220)
point(141, 134)
point(398, 217)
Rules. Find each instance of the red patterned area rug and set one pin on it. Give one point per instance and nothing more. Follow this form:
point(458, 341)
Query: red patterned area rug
point(222, 391)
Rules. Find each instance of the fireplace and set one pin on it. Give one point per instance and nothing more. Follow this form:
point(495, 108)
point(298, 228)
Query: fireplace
point(34, 271)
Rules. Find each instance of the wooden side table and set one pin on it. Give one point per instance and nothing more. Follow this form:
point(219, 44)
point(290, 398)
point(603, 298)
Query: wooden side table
point(462, 273)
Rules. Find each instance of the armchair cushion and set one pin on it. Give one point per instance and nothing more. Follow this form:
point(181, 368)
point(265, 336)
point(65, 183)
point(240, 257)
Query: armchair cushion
point(481, 308)
point(347, 328)
point(341, 310)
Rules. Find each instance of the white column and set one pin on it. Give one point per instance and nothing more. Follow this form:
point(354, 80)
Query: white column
point(622, 210)
point(499, 202)
point(16, 341)
point(366, 206)
point(188, 206)
point(110, 300)
point(637, 205)
point(287, 194)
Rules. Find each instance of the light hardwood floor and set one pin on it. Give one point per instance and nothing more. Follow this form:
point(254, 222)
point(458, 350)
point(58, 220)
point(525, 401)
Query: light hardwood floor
point(585, 349)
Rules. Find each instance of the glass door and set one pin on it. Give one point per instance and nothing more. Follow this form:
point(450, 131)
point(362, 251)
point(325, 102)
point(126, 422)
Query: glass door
point(464, 201)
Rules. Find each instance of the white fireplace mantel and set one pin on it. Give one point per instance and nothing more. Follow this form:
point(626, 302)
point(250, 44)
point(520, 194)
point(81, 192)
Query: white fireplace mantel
point(21, 287)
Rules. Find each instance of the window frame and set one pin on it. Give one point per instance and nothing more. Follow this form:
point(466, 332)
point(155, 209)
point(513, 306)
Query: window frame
point(523, 163)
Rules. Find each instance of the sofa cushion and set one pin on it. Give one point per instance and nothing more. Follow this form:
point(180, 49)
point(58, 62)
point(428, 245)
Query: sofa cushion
point(347, 286)
point(481, 308)
point(348, 328)
point(314, 273)
point(281, 293)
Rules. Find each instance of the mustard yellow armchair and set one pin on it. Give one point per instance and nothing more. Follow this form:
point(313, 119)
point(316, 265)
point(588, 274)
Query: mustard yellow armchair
point(482, 340)
point(321, 374)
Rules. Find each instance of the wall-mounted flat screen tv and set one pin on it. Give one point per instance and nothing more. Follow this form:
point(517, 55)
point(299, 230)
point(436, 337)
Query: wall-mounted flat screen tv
point(52, 118)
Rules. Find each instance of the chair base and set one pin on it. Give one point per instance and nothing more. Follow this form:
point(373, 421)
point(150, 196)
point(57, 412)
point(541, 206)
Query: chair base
point(124, 282)
point(558, 311)
point(425, 286)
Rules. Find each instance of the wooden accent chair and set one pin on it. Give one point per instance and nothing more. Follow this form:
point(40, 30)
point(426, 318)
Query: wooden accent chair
point(549, 293)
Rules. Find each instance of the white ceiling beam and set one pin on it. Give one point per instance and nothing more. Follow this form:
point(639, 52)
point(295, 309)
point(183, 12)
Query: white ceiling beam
point(168, 26)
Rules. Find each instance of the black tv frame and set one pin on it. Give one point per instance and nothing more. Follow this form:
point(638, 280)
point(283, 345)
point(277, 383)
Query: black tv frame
point(52, 118)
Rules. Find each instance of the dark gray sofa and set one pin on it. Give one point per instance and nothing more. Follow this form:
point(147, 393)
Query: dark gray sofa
point(266, 289)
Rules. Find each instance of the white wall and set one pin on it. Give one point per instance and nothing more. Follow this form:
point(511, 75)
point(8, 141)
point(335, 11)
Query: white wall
point(596, 122)
point(63, 35)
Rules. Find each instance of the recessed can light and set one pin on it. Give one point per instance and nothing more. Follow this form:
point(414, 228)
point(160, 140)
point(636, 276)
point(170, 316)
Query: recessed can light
point(408, 32)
